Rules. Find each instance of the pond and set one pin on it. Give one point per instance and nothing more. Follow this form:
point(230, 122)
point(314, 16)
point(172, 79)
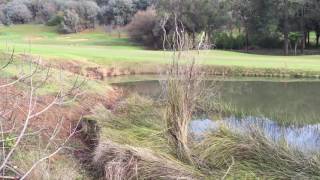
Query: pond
point(282, 108)
point(285, 101)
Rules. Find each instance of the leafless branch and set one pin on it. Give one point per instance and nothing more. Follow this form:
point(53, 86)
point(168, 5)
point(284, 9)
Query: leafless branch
point(9, 61)
point(62, 146)
point(13, 104)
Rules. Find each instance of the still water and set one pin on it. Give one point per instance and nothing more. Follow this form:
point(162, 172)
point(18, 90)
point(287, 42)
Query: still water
point(285, 101)
point(282, 109)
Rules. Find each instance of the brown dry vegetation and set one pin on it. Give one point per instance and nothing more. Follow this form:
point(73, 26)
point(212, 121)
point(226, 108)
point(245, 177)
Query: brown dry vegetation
point(70, 113)
point(117, 162)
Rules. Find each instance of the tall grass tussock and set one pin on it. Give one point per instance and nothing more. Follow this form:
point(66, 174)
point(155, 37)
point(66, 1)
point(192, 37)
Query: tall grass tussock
point(134, 145)
point(255, 155)
point(117, 162)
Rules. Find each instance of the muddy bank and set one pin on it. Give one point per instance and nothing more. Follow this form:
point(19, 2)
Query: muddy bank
point(99, 72)
point(102, 72)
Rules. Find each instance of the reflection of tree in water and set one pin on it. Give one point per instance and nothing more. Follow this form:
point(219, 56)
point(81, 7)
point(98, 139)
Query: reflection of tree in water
point(283, 100)
point(290, 100)
point(145, 88)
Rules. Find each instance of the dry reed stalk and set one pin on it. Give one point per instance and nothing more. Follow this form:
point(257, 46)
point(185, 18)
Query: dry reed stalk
point(119, 162)
point(184, 88)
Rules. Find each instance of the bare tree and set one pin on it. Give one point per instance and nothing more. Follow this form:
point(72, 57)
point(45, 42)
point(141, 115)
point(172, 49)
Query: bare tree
point(19, 110)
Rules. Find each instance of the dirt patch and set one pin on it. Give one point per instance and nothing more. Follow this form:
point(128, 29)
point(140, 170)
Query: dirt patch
point(97, 72)
point(101, 73)
point(78, 40)
point(70, 66)
point(66, 65)
point(91, 70)
point(34, 38)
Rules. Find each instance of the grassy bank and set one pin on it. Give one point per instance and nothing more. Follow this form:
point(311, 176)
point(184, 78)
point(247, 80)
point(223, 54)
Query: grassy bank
point(137, 126)
point(22, 83)
point(97, 48)
point(54, 79)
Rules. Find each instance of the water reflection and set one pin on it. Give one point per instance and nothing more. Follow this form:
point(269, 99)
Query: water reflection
point(296, 102)
point(305, 138)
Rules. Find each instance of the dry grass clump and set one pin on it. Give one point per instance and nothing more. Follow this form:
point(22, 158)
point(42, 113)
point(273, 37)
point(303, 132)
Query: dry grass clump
point(184, 85)
point(178, 115)
point(183, 90)
point(117, 162)
point(256, 155)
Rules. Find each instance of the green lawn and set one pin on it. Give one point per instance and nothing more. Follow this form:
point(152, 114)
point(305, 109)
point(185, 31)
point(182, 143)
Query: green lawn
point(104, 49)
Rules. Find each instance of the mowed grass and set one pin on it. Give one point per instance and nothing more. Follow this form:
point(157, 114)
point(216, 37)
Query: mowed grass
point(99, 47)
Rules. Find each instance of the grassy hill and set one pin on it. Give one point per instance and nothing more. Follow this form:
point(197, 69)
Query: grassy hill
point(102, 48)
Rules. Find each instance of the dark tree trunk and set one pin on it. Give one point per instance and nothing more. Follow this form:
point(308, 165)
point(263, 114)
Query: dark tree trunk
point(303, 44)
point(209, 34)
point(308, 39)
point(193, 39)
point(286, 28)
point(247, 39)
point(318, 38)
point(302, 29)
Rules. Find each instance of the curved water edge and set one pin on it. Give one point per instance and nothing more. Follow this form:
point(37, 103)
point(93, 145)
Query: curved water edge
point(284, 110)
point(144, 78)
point(305, 138)
point(284, 101)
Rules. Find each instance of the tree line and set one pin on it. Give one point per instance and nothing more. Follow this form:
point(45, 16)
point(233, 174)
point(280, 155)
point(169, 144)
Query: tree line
point(227, 24)
point(70, 15)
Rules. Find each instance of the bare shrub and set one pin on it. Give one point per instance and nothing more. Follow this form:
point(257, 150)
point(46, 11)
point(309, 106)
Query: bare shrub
point(19, 110)
point(145, 28)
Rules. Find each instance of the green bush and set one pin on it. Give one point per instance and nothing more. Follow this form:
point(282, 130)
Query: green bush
point(269, 42)
point(239, 42)
point(227, 41)
point(55, 20)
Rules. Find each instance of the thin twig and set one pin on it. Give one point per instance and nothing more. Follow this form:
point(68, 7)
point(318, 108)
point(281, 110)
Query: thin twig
point(229, 169)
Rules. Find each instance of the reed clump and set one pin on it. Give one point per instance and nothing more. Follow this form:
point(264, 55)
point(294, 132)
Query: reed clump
point(184, 88)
